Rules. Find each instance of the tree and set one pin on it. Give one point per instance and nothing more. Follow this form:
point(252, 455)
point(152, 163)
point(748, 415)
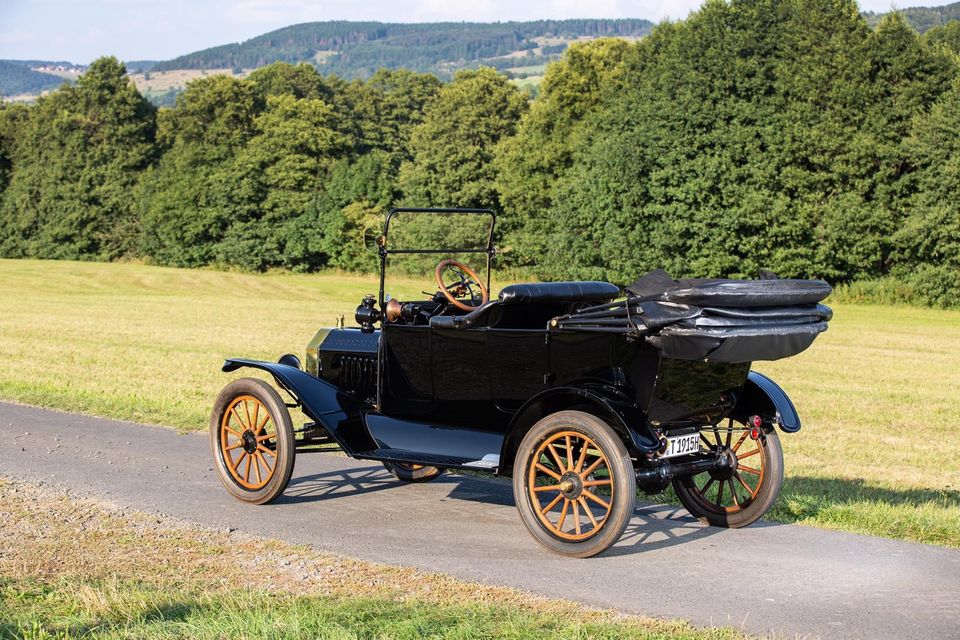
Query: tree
point(452, 149)
point(755, 134)
point(928, 242)
point(276, 179)
point(77, 161)
point(352, 203)
point(530, 163)
point(401, 99)
point(946, 36)
point(299, 81)
point(189, 199)
point(12, 120)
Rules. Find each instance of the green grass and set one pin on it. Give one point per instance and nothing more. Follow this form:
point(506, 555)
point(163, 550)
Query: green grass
point(879, 451)
point(37, 611)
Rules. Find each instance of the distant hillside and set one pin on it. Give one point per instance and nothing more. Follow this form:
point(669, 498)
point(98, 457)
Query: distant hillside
point(358, 49)
point(922, 18)
point(17, 78)
point(139, 66)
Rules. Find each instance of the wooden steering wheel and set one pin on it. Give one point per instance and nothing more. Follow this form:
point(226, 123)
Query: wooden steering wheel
point(466, 279)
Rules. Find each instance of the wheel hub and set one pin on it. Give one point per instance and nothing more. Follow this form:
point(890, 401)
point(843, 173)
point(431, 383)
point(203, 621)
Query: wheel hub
point(726, 472)
point(571, 485)
point(249, 441)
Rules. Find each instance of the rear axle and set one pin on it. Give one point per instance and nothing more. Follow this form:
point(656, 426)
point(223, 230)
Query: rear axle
point(655, 478)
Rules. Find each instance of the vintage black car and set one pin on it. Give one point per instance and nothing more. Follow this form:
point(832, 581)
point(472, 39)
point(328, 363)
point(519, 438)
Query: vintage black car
point(580, 391)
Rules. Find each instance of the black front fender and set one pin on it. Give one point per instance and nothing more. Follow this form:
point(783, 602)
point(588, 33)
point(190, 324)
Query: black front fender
point(337, 411)
point(764, 397)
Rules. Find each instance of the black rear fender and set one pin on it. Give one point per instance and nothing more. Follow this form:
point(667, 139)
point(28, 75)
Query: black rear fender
point(340, 413)
point(605, 402)
point(763, 397)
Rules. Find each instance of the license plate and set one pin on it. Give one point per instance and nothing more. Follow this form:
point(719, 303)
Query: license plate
point(681, 445)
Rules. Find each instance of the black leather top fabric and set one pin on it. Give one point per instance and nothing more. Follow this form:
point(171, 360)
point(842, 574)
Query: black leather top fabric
point(590, 291)
point(658, 285)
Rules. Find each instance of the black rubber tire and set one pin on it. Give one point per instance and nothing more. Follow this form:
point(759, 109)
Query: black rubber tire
point(283, 425)
point(767, 494)
point(406, 472)
point(621, 471)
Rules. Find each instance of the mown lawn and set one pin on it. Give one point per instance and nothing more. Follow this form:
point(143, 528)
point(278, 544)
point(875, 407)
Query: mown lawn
point(879, 452)
point(73, 568)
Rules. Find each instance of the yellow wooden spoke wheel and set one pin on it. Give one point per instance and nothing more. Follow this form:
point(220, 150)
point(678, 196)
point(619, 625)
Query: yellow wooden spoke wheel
point(251, 436)
point(574, 483)
point(740, 494)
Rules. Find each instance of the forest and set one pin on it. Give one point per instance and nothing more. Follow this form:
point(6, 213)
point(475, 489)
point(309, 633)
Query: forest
point(360, 49)
point(790, 136)
point(923, 18)
point(16, 77)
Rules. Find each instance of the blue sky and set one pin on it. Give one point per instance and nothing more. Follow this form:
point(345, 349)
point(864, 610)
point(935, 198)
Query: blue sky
point(81, 30)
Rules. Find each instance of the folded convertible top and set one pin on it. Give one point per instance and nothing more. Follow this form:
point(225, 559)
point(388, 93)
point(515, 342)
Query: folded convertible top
point(715, 320)
point(658, 285)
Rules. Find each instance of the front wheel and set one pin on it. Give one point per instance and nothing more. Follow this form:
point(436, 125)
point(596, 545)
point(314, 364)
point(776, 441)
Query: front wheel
point(574, 484)
point(740, 495)
point(251, 437)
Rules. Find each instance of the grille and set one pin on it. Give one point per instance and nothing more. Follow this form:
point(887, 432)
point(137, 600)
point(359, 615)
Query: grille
point(358, 374)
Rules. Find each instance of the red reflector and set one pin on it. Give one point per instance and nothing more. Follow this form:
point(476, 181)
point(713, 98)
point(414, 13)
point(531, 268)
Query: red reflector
point(755, 433)
point(757, 421)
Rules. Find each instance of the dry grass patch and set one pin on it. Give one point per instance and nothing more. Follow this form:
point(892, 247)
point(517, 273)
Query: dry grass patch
point(162, 81)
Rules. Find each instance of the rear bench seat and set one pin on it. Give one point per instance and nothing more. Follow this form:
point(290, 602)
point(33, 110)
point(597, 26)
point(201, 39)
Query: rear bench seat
point(575, 292)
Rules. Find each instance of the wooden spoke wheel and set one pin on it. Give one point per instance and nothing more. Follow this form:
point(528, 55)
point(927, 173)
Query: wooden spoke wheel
point(742, 494)
point(574, 484)
point(251, 436)
point(410, 472)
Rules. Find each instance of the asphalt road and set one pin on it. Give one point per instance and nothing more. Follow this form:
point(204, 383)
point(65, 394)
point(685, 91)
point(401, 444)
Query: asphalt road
point(787, 580)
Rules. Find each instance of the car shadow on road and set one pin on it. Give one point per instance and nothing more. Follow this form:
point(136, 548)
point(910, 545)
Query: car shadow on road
point(659, 526)
point(653, 526)
point(338, 484)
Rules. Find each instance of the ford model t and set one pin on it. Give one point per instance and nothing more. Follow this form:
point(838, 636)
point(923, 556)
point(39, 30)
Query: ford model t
point(580, 392)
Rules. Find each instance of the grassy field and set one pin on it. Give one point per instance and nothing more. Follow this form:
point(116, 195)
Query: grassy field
point(879, 452)
point(163, 81)
point(75, 568)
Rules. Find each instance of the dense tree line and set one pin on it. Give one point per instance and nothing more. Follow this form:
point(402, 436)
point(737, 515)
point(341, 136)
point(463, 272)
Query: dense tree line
point(756, 134)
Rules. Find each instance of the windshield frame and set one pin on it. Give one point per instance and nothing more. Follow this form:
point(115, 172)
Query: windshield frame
point(385, 251)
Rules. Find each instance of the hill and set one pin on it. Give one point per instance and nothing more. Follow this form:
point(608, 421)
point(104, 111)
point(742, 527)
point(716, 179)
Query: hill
point(922, 18)
point(17, 78)
point(358, 49)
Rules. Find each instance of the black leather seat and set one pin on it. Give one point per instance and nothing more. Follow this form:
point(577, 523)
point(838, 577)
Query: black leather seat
point(578, 292)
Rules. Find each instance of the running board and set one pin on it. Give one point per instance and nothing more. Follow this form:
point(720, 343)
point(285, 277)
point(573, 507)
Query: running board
point(437, 445)
point(413, 457)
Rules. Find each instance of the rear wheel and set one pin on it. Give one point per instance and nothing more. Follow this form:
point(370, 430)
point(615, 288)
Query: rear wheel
point(574, 484)
point(742, 494)
point(251, 437)
point(410, 472)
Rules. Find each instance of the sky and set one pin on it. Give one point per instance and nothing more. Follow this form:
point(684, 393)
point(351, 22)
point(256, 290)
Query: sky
point(82, 30)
